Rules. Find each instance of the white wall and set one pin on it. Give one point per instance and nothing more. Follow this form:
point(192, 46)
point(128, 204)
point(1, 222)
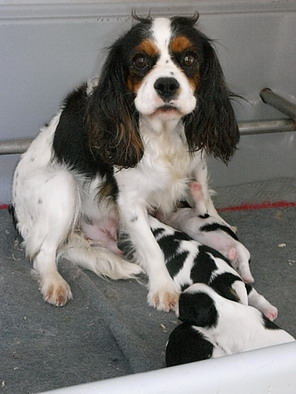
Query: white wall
point(48, 48)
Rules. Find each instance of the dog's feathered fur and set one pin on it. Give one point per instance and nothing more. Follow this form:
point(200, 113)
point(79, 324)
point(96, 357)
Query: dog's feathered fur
point(121, 144)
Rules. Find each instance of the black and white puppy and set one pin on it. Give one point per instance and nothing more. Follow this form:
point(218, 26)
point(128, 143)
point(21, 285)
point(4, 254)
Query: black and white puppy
point(124, 142)
point(190, 262)
point(214, 326)
point(210, 230)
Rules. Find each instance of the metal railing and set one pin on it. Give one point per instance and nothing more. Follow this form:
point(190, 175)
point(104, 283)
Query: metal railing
point(20, 145)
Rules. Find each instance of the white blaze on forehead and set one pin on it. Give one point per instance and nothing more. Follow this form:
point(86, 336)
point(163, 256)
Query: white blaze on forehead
point(147, 99)
point(162, 33)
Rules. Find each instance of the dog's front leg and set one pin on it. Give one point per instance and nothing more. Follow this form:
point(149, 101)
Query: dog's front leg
point(200, 174)
point(163, 292)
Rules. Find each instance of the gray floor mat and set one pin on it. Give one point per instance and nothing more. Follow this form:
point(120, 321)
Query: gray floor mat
point(108, 329)
point(272, 190)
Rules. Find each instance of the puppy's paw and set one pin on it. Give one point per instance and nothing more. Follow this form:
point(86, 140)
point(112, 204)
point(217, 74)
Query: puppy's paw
point(164, 299)
point(55, 290)
point(248, 278)
point(271, 312)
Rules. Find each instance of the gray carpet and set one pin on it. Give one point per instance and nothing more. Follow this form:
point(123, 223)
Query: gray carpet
point(108, 330)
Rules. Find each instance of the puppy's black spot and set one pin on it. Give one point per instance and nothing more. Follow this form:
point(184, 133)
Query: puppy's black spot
point(214, 252)
point(32, 159)
point(217, 226)
point(157, 231)
point(187, 345)
point(222, 284)
point(176, 262)
point(248, 288)
point(40, 201)
point(205, 216)
point(169, 245)
point(203, 267)
point(182, 236)
point(270, 325)
point(134, 219)
point(198, 309)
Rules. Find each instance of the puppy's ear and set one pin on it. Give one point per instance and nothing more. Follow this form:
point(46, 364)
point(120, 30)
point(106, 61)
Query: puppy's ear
point(112, 117)
point(212, 126)
point(197, 309)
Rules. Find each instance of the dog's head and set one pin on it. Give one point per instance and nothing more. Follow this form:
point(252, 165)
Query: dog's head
point(197, 306)
point(161, 69)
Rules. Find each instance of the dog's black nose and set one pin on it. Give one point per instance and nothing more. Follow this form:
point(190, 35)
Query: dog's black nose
point(166, 87)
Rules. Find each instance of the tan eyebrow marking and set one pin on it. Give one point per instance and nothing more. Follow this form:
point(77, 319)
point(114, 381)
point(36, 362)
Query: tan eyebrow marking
point(180, 44)
point(147, 46)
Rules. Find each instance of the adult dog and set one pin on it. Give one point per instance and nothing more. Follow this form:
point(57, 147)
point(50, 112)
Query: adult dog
point(122, 144)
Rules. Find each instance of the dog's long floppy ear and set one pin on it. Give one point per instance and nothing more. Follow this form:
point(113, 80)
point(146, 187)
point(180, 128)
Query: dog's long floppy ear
point(112, 117)
point(212, 126)
point(197, 309)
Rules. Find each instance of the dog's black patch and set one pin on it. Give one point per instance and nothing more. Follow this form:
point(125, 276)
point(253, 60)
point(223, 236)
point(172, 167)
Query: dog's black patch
point(217, 226)
point(187, 345)
point(198, 309)
point(71, 138)
point(222, 284)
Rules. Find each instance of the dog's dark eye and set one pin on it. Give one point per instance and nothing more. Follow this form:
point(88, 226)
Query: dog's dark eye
point(141, 61)
point(189, 60)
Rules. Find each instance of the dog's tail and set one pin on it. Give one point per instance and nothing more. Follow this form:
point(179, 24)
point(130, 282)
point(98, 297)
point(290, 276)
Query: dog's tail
point(98, 259)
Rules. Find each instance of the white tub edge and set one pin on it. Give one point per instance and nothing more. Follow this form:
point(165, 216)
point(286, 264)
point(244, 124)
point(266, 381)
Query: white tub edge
point(270, 370)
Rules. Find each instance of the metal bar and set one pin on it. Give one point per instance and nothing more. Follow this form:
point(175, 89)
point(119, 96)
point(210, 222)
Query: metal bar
point(278, 102)
point(266, 126)
point(11, 147)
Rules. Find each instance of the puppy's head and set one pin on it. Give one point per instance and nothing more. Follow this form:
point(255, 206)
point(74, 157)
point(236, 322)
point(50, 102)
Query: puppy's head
point(161, 69)
point(197, 306)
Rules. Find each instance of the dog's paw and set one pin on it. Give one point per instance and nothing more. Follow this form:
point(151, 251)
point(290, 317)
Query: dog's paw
point(56, 291)
point(165, 299)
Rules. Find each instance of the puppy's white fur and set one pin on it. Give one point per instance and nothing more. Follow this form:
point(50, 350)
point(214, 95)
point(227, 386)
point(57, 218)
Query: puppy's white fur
point(214, 326)
point(240, 327)
point(190, 264)
point(193, 222)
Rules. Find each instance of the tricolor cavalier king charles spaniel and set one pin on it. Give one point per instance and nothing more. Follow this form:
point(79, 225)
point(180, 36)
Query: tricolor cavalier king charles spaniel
point(124, 144)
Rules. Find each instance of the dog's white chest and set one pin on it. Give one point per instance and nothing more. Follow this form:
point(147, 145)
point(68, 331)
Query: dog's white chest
point(164, 169)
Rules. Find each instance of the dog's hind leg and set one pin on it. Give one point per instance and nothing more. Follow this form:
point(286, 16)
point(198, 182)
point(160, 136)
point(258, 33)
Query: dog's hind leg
point(54, 207)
